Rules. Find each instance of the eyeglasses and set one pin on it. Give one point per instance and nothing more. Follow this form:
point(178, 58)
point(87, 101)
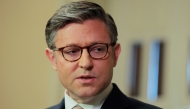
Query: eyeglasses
point(73, 53)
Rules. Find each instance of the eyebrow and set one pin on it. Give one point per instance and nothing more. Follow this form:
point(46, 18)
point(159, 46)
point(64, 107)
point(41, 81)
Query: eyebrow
point(87, 45)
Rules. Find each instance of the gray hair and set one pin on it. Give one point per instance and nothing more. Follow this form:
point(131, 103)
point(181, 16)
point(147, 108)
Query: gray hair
point(76, 12)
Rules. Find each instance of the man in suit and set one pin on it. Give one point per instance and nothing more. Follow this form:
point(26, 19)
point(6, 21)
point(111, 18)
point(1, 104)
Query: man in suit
point(83, 49)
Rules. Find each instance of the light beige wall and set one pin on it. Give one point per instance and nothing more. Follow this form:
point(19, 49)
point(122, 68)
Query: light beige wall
point(24, 70)
point(27, 80)
point(144, 21)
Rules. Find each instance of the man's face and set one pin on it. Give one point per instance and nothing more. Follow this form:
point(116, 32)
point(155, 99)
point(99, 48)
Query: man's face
point(85, 77)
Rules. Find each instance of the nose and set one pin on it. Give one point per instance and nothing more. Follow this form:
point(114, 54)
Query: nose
point(85, 61)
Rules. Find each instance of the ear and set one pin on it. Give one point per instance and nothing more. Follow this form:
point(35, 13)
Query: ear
point(117, 50)
point(51, 57)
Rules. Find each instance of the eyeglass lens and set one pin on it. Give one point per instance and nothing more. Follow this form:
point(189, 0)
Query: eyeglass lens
point(96, 51)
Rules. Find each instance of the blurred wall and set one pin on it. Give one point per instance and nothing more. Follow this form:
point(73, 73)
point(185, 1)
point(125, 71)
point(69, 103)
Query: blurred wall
point(27, 80)
point(147, 20)
point(24, 70)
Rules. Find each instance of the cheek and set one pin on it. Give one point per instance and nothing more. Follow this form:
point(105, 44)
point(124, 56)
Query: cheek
point(66, 72)
point(105, 68)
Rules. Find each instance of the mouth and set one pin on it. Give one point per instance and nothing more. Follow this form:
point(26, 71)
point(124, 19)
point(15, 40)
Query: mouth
point(86, 79)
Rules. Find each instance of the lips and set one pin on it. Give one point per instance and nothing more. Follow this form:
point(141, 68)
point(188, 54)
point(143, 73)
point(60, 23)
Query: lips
point(86, 79)
point(85, 76)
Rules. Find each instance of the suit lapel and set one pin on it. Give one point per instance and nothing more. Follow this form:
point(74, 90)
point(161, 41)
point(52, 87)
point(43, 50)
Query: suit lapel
point(61, 105)
point(116, 100)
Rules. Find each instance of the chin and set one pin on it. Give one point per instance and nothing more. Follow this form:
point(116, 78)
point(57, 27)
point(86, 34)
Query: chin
point(84, 93)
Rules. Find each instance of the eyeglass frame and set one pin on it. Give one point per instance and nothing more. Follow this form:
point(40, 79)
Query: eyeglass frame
point(85, 47)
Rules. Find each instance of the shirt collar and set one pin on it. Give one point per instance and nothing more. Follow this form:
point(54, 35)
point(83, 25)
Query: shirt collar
point(94, 103)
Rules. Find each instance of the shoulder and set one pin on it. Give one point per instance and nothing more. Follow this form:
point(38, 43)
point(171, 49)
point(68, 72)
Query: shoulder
point(136, 104)
point(54, 107)
point(118, 100)
point(61, 105)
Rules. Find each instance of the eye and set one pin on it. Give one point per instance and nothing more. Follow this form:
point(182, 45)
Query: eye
point(98, 49)
point(71, 50)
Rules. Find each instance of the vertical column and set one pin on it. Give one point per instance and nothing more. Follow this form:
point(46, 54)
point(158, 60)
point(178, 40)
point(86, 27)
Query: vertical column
point(135, 69)
point(188, 70)
point(155, 70)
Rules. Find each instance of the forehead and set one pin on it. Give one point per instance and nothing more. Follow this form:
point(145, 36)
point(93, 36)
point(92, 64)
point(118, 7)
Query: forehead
point(82, 34)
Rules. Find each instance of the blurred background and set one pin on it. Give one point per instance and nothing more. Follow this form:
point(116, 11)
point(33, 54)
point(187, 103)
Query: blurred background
point(27, 80)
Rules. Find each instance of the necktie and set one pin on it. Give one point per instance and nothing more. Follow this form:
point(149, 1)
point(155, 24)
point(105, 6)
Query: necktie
point(77, 107)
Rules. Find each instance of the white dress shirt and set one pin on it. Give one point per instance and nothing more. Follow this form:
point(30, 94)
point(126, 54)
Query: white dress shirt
point(94, 103)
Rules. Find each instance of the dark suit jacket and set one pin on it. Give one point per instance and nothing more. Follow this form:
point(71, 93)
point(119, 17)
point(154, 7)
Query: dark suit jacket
point(116, 100)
